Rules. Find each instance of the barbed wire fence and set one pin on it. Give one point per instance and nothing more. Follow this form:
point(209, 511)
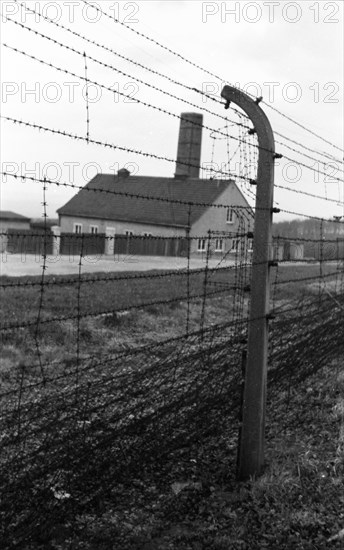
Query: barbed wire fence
point(111, 378)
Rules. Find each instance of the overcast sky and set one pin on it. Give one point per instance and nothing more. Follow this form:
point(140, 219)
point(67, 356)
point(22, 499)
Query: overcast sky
point(291, 53)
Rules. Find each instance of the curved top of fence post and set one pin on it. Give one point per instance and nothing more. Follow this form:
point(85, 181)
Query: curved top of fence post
point(257, 116)
point(251, 452)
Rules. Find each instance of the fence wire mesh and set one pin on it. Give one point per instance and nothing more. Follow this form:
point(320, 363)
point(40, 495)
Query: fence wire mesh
point(121, 352)
point(106, 375)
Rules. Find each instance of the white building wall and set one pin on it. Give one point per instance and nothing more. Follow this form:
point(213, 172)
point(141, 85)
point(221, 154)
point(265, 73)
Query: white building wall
point(67, 224)
point(215, 220)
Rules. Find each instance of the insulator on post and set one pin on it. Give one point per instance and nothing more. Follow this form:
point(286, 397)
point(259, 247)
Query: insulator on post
point(271, 316)
point(259, 99)
point(227, 104)
point(251, 131)
point(250, 235)
point(253, 182)
point(275, 210)
point(278, 156)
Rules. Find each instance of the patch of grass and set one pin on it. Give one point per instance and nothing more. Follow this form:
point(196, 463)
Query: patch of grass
point(116, 292)
point(302, 280)
point(293, 505)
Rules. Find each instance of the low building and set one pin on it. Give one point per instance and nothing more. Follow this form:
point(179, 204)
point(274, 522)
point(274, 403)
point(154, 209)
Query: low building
point(287, 250)
point(186, 210)
point(11, 221)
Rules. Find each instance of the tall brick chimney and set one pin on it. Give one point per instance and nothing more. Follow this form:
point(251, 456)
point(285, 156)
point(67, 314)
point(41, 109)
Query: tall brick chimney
point(189, 145)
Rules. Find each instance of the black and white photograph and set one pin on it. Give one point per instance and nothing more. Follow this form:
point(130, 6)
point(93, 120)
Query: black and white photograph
point(172, 275)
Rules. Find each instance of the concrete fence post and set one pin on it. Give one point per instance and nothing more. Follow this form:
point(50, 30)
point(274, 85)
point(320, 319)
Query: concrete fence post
point(56, 237)
point(251, 446)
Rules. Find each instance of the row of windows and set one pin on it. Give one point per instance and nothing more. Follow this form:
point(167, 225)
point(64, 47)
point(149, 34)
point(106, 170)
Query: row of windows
point(94, 230)
point(78, 229)
point(201, 247)
point(236, 245)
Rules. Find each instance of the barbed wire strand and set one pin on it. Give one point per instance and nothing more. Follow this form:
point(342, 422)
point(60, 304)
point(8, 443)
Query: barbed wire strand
point(142, 35)
point(116, 69)
point(331, 157)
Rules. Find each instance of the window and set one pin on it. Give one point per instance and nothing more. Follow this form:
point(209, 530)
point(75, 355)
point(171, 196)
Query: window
point(94, 229)
point(250, 245)
point(219, 245)
point(78, 228)
point(230, 215)
point(201, 245)
point(235, 245)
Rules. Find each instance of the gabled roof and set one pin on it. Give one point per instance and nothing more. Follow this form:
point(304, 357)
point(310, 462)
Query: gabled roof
point(120, 198)
point(12, 216)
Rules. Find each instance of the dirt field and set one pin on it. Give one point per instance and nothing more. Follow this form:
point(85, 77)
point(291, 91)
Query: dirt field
point(17, 265)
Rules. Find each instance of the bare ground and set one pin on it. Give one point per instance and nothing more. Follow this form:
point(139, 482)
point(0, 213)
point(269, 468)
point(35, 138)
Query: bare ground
point(17, 265)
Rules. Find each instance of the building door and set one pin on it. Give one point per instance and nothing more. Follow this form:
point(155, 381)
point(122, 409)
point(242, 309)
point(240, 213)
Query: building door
point(110, 233)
